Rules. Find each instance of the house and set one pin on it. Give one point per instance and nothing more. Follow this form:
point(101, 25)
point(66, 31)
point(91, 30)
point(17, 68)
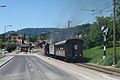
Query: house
point(15, 37)
point(24, 47)
point(40, 43)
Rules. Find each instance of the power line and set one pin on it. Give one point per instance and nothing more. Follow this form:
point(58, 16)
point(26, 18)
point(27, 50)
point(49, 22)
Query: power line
point(106, 8)
point(100, 10)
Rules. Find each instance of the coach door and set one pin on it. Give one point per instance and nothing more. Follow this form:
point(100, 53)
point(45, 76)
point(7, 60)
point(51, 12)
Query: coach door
point(75, 50)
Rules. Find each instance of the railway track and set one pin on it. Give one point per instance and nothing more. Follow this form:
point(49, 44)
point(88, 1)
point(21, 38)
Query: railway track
point(107, 70)
point(100, 69)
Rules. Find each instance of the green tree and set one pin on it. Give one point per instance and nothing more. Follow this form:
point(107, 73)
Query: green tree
point(33, 39)
point(2, 39)
point(44, 36)
point(118, 20)
point(118, 10)
point(1, 44)
point(95, 36)
point(11, 47)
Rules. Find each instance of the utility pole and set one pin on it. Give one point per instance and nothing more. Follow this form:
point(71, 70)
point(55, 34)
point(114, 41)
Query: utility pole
point(114, 34)
point(23, 38)
point(69, 24)
point(70, 32)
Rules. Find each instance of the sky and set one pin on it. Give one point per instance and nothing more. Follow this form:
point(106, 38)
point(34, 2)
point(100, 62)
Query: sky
point(50, 13)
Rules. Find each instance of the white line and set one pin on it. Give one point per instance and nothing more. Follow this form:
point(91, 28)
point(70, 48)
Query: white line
point(30, 65)
point(26, 59)
point(31, 69)
point(28, 62)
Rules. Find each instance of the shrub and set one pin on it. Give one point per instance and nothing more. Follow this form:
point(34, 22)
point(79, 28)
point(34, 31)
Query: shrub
point(11, 47)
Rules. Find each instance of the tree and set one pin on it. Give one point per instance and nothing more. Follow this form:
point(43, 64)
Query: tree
point(118, 10)
point(2, 37)
point(1, 44)
point(118, 20)
point(95, 36)
point(33, 39)
point(11, 47)
point(44, 36)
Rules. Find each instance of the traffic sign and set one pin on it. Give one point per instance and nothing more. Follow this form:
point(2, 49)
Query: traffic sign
point(104, 29)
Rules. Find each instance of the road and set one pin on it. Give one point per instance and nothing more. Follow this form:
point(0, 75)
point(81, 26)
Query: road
point(34, 68)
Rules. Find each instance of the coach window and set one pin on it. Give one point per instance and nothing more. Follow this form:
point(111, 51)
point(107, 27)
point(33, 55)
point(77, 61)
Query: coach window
point(76, 47)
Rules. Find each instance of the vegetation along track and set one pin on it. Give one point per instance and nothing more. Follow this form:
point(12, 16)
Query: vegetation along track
point(101, 69)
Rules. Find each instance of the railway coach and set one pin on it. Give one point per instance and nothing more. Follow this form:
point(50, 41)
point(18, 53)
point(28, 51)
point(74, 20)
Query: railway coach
point(69, 50)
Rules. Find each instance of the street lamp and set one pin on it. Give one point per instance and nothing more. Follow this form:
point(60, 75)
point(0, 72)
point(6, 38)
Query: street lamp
point(6, 27)
point(5, 31)
point(3, 6)
point(5, 35)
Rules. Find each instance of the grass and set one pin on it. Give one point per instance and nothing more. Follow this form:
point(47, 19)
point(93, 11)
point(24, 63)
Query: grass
point(95, 55)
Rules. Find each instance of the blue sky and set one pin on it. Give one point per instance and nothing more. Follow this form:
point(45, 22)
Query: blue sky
point(50, 13)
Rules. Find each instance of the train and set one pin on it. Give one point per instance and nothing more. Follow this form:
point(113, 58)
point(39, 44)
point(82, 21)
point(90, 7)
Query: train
point(68, 50)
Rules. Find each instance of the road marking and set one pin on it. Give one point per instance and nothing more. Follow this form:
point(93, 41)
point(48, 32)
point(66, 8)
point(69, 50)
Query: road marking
point(30, 65)
point(31, 69)
point(27, 59)
point(28, 62)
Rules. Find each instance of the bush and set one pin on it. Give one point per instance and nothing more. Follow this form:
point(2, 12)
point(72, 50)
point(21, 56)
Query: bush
point(11, 47)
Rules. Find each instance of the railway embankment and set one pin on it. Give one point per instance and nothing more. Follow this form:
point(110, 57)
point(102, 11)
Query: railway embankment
point(95, 56)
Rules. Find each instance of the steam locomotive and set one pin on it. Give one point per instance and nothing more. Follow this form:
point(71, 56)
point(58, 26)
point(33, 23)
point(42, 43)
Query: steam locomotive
point(69, 50)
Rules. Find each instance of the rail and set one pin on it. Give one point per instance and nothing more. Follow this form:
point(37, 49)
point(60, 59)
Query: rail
point(106, 70)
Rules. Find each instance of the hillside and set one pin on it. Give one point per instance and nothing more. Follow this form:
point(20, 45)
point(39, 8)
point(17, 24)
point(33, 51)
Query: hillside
point(64, 33)
point(33, 31)
point(36, 31)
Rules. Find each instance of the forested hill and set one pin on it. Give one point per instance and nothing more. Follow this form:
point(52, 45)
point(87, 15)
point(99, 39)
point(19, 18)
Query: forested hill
point(36, 31)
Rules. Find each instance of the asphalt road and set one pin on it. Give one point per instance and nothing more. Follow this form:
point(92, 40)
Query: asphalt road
point(32, 68)
point(28, 67)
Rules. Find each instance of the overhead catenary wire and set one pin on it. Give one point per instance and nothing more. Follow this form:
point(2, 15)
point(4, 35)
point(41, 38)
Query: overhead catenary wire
point(106, 8)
